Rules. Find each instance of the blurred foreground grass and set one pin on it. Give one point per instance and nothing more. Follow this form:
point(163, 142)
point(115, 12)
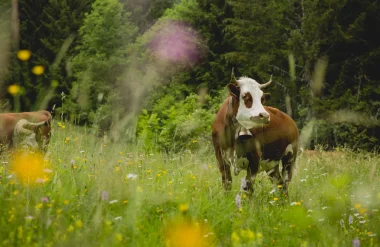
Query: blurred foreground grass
point(102, 193)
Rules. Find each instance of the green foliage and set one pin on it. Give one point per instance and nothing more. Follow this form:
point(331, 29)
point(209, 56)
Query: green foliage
point(176, 125)
point(103, 55)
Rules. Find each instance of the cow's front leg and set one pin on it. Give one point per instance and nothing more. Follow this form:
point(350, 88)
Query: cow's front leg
point(225, 171)
point(253, 167)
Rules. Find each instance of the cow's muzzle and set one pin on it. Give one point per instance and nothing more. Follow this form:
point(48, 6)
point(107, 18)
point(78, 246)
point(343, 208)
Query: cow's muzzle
point(263, 117)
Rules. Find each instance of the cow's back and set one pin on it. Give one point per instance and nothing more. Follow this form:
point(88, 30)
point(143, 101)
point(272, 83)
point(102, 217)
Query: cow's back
point(277, 137)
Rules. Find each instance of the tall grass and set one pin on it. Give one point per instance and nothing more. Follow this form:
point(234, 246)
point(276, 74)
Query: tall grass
point(114, 194)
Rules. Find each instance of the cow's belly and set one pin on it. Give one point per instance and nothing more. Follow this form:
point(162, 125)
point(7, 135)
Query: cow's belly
point(241, 163)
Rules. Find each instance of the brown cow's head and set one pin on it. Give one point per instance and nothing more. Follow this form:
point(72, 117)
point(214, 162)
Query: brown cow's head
point(249, 110)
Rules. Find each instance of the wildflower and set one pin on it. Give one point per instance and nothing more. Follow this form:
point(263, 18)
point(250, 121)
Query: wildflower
point(184, 207)
point(118, 237)
point(38, 70)
point(28, 218)
point(104, 195)
point(117, 168)
point(24, 55)
point(279, 186)
point(14, 89)
point(125, 201)
point(39, 206)
point(15, 192)
point(357, 205)
point(341, 223)
point(70, 228)
point(28, 167)
point(187, 234)
point(113, 201)
point(66, 202)
point(275, 199)
point(350, 220)
point(243, 185)
point(54, 83)
point(131, 176)
point(238, 201)
point(235, 239)
point(79, 223)
point(356, 242)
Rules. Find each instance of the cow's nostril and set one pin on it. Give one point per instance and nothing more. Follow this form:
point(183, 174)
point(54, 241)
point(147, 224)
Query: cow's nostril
point(261, 115)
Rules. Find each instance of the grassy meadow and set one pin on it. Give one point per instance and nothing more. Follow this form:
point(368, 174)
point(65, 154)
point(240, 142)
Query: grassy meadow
point(99, 193)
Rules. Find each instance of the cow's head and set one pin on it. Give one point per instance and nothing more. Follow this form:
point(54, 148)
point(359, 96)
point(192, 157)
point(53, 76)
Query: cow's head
point(248, 99)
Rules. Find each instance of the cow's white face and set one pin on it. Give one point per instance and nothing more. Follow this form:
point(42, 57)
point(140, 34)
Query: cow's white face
point(251, 112)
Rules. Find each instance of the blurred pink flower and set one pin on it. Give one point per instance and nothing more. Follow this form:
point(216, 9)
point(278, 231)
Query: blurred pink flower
point(176, 42)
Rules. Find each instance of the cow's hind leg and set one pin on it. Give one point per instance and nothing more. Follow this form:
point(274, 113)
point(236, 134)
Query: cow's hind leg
point(288, 163)
point(275, 176)
point(253, 167)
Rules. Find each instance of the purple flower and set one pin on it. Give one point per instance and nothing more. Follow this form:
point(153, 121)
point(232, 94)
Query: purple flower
point(104, 195)
point(45, 199)
point(356, 242)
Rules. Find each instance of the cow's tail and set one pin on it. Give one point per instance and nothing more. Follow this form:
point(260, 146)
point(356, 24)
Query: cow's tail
point(23, 125)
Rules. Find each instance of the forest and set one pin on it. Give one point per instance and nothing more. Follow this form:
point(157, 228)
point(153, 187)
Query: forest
point(105, 65)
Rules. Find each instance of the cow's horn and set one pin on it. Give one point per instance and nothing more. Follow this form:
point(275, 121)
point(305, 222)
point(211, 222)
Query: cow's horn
point(266, 84)
point(233, 78)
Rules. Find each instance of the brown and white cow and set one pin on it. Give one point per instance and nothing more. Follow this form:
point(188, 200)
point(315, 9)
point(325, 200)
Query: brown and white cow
point(247, 135)
point(23, 127)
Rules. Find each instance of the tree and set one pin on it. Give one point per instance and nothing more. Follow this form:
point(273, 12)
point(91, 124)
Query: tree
point(103, 56)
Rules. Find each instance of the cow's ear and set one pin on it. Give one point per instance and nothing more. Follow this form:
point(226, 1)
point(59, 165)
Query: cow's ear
point(265, 97)
point(234, 90)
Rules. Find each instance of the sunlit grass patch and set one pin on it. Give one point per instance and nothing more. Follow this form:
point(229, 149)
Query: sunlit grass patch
point(118, 194)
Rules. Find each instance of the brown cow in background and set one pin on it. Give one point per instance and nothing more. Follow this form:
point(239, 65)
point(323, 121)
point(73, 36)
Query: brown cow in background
point(247, 135)
point(25, 128)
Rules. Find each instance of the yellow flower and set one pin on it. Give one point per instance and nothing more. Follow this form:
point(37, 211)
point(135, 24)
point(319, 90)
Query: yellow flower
point(184, 207)
point(66, 202)
point(125, 201)
point(70, 228)
point(38, 70)
point(118, 237)
point(54, 83)
point(39, 206)
point(279, 186)
point(117, 168)
point(29, 167)
point(235, 239)
point(15, 192)
point(187, 234)
point(275, 199)
point(14, 89)
point(357, 206)
point(79, 224)
point(24, 55)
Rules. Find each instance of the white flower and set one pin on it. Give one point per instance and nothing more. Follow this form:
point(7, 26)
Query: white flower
point(131, 176)
point(29, 218)
point(81, 151)
point(113, 201)
point(118, 218)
